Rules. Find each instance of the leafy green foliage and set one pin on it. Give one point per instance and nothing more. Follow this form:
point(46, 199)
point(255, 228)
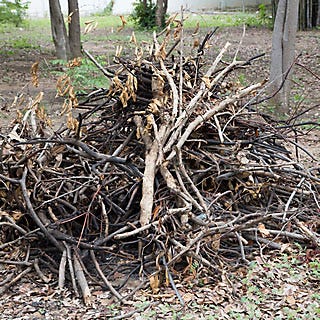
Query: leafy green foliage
point(262, 18)
point(13, 11)
point(23, 43)
point(144, 15)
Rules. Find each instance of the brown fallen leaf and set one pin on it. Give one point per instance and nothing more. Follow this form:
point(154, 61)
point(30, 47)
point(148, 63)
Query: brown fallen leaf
point(155, 283)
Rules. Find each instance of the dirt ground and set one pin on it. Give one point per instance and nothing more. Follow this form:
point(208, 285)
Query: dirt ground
point(287, 293)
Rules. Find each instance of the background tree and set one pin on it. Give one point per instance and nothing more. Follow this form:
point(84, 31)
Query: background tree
point(74, 28)
point(161, 11)
point(309, 13)
point(67, 44)
point(13, 11)
point(58, 30)
point(283, 51)
point(148, 14)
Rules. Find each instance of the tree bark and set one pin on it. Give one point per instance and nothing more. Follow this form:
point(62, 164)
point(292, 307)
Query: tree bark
point(288, 43)
point(161, 11)
point(59, 31)
point(283, 51)
point(74, 29)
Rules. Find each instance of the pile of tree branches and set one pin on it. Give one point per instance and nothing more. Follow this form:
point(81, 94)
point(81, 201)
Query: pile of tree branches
point(169, 165)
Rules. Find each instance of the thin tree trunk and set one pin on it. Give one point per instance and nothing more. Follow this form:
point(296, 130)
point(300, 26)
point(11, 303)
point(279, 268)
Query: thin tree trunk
point(161, 12)
point(302, 15)
point(283, 51)
point(74, 29)
point(288, 43)
point(58, 29)
point(276, 69)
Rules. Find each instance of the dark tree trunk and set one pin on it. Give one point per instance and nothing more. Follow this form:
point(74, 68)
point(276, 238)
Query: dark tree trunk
point(58, 29)
point(162, 6)
point(309, 15)
point(74, 29)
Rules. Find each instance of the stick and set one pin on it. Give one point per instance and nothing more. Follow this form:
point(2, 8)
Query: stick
point(16, 279)
point(62, 269)
point(99, 66)
point(33, 214)
point(210, 113)
point(103, 277)
point(81, 279)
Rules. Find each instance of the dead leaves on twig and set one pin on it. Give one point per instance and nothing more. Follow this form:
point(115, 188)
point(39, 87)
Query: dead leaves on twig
point(66, 89)
point(34, 74)
point(90, 26)
point(123, 22)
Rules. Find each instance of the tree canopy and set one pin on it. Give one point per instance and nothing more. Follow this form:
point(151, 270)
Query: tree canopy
point(13, 11)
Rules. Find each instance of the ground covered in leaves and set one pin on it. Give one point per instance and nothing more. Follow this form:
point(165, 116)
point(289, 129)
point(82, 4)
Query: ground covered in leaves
point(282, 286)
point(273, 285)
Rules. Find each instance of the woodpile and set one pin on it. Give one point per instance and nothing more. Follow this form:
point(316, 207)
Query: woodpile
point(170, 165)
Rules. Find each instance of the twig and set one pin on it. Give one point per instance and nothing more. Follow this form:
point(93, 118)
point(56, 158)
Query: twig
point(100, 67)
point(286, 208)
point(62, 269)
point(4, 288)
point(173, 285)
point(33, 213)
point(81, 279)
point(103, 277)
point(44, 278)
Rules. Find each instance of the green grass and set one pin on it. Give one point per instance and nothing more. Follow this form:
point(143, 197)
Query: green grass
point(84, 77)
point(224, 20)
point(35, 34)
point(36, 30)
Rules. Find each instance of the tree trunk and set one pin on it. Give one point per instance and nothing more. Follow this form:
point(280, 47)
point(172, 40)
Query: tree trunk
point(283, 51)
point(74, 29)
point(288, 43)
point(58, 29)
point(162, 6)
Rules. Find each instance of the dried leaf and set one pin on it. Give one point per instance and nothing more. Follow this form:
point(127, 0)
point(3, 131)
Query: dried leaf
point(76, 62)
point(155, 283)
point(124, 22)
point(242, 157)
point(286, 247)
point(207, 81)
point(72, 123)
point(63, 85)
point(124, 97)
point(264, 232)
point(133, 38)
point(196, 30)
point(155, 212)
point(69, 18)
point(16, 215)
point(90, 26)
point(215, 241)
point(34, 74)
point(196, 43)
